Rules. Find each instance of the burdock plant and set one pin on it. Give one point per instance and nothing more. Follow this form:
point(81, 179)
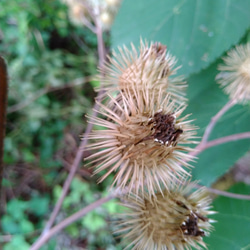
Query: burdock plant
point(151, 68)
point(177, 220)
point(143, 140)
point(145, 145)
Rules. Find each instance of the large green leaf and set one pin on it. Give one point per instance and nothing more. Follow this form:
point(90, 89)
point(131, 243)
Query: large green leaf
point(196, 32)
point(205, 100)
point(233, 222)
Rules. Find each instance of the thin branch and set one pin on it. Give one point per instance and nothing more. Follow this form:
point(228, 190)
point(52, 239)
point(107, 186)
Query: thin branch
point(226, 139)
point(90, 9)
point(80, 43)
point(6, 238)
point(26, 102)
point(79, 154)
point(214, 120)
point(225, 193)
point(83, 144)
point(82, 172)
point(72, 173)
point(100, 42)
point(88, 24)
point(203, 146)
point(39, 39)
point(74, 217)
point(47, 90)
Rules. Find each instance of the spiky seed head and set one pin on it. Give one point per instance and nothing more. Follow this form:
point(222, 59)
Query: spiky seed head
point(150, 68)
point(178, 220)
point(145, 145)
point(235, 73)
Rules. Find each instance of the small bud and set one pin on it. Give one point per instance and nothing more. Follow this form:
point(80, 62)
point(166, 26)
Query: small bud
point(106, 20)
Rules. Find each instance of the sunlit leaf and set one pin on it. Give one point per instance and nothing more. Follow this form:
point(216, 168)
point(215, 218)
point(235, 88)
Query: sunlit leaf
point(196, 32)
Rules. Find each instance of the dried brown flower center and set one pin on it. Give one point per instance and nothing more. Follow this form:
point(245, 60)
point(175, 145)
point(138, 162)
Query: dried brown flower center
point(159, 49)
point(172, 220)
point(144, 138)
point(190, 226)
point(165, 131)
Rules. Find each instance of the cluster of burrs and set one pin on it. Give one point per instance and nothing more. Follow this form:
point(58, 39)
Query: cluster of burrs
point(143, 140)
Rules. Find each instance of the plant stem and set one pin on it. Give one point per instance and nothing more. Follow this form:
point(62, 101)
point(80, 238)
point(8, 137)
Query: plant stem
point(74, 217)
point(79, 154)
point(202, 146)
point(214, 120)
point(45, 91)
point(226, 139)
point(71, 175)
point(224, 193)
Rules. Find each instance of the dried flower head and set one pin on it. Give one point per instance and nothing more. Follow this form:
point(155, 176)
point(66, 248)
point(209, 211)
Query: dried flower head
point(145, 144)
point(78, 12)
point(177, 220)
point(235, 75)
point(82, 12)
point(150, 68)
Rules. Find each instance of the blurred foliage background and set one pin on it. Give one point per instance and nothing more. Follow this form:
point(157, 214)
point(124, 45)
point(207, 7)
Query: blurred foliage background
point(51, 63)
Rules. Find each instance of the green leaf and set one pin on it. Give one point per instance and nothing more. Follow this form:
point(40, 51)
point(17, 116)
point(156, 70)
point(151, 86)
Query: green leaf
point(73, 230)
point(39, 205)
point(196, 32)
point(205, 100)
point(27, 155)
point(113, 207)
point(17, 242)
point(17, 208)
point(233, 222)
point(26, 226)
point(9, 225)
point(93, 222)
point(57, 191)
